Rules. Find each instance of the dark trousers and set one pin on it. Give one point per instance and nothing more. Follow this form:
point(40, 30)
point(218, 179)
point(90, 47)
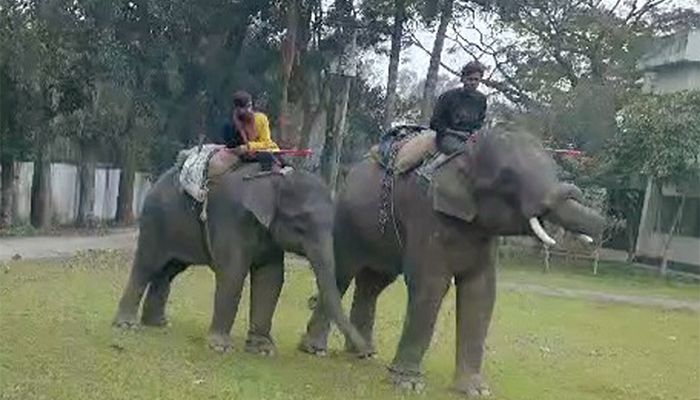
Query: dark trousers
point(266, 159)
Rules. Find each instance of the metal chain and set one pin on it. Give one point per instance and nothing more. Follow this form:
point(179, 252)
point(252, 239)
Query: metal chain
point(387, 188)
point(386, 199)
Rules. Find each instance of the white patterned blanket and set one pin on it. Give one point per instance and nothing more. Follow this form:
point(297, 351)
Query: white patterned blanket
point(195, 169)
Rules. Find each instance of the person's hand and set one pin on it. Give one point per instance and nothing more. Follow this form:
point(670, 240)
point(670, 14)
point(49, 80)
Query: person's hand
point(460, 134)
point(240, 150)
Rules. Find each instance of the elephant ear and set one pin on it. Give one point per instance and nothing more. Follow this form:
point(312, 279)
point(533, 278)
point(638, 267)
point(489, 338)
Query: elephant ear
point(259, 196)
point(452, 191)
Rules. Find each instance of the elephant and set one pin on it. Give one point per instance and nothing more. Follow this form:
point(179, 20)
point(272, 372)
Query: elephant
point(250, 225)
point(503, 184)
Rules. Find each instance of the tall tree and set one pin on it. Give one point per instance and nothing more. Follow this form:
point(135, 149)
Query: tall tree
point(435, 56)
point(14, 143)
point(343, 72)
point(397, 32)
point(9, 142)
point(289, 57)
point(44, 95)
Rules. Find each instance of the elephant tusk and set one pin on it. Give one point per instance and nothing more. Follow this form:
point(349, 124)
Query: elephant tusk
point(587, 239)
point(540, 232)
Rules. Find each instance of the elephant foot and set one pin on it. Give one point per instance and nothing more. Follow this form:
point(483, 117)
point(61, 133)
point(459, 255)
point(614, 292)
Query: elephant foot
point(126, 322)
point(261, 345)
point(407, 380)
point(312, 346)
point(369, 353)
point(156, 322)
point(473, 386)
point(220, 343)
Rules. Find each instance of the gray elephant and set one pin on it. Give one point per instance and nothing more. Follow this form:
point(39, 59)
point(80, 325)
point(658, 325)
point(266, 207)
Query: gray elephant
point(443, 233)
point(251, 223)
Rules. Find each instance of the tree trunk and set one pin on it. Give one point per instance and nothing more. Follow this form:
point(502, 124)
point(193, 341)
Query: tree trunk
point(669, 236)
point(339, 86)
point(426, 108)
point(631, 243)
point(41, 191)
point(328, 152)
point(313, 106)
point(86, 174)
point(125, 198)
point(547, 258)
point(289, 51)
point(8, 191)
point(340, 135)
point(335, 130)
point(307, 120)
point(394, 58)
point(596, 260)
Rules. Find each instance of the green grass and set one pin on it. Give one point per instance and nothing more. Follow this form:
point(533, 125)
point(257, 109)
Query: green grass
point(56, 343)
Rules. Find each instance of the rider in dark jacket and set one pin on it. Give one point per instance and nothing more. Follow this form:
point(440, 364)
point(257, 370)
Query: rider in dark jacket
point(461, 111)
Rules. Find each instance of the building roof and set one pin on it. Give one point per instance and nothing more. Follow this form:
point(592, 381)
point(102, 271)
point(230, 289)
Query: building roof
point(680, 48)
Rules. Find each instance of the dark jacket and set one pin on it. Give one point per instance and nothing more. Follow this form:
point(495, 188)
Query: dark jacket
point(458, 109)
point(230, 136)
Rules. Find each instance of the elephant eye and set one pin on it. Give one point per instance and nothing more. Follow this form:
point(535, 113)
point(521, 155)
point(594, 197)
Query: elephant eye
point(508, 181)
point(299, 228)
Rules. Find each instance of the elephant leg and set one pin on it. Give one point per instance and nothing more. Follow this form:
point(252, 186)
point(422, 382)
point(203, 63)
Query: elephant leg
point(230, 277)
point(475, 300)
point(145, 265)
point(368, 286)
point(157, 294)
point(426, 289)
point(315, 341)
point(265, 286)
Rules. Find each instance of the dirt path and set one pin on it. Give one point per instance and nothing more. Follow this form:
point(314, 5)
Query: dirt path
point(65, 246)
point(603, 297)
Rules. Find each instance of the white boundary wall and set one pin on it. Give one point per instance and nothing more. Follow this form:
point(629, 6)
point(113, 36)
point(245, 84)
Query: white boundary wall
point(65, 192)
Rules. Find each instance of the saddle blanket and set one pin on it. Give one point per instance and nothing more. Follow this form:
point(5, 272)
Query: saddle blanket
point(194, 169)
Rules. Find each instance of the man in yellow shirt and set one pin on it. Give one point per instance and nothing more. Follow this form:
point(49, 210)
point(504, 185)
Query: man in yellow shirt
point(248, 134)
point(264, 140)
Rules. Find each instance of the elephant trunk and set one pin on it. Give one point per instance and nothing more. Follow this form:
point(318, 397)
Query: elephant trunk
point(322, 262)
point(575, 217)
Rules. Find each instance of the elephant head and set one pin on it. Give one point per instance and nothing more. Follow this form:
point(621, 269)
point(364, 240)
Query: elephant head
point(298, 211)
point(506, 182)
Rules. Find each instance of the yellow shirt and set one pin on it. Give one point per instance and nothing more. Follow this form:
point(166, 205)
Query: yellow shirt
point(264, 141)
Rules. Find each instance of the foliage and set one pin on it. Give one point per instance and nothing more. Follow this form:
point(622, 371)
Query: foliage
point(559, 43)
point(659, 136)
point(365, 119)
point(571, 64)
point(141, 79)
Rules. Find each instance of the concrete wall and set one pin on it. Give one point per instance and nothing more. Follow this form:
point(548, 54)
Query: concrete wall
point(650, 242)
point(672, 65)
point(106, 191)
point(679, 48)
point(681, 249)
point(673, 78)
point(65, 192)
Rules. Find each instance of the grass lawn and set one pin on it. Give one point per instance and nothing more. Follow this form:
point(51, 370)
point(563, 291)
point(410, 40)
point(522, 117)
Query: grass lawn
point(56, 342)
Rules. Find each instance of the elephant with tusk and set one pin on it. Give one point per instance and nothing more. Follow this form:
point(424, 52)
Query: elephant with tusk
point(504, 184)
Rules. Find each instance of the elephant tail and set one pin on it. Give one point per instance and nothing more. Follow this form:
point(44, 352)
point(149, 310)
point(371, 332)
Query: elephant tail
point(313, 302)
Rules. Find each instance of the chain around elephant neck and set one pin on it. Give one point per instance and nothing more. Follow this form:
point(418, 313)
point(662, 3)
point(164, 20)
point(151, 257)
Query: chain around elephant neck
point(386, 206)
